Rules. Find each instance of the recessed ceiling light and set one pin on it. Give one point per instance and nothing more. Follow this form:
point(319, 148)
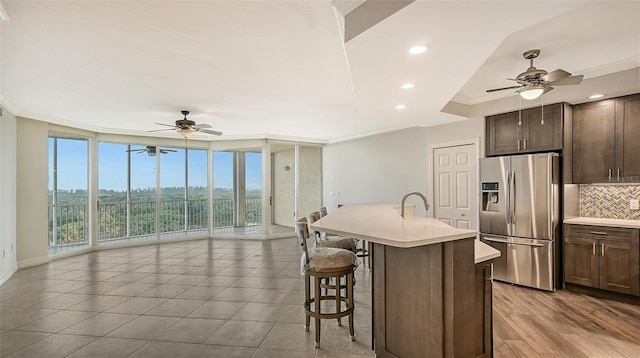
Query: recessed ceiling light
point(596, 96)
point(407, 85)
point(416, 50)
point(401, 106)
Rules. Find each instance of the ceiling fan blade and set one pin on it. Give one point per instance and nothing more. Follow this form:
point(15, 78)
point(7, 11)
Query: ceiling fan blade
point(573, 80)
point(136, 150)
point(161, 130)
point(503, 88)
point(555, 75)
point(165, 151)
point(203, 125)
point(209, 131)
point(547, 89)
point(168, 125)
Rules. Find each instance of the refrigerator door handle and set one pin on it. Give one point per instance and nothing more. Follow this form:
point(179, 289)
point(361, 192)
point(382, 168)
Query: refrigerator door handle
point(512, 242)
point(550, 210)
point(508, 191)
point(512, 189)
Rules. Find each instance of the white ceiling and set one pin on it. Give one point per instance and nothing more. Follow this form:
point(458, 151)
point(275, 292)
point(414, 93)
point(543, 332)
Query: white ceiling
point(280, 68)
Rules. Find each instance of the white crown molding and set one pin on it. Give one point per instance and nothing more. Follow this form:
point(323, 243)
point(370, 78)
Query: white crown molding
point(4, 102)
point(58, 121)
point(168, 134)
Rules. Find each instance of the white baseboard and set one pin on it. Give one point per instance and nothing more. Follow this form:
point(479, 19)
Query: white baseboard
point(7, 275)
point(33, 262)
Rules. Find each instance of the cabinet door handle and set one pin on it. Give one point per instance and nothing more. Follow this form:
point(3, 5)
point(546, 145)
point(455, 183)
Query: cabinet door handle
point(618, 174)
point(598, 232)
point(525, 144)
point(594, 248)
point(518, 144)
point(602, 249)
point(610, 174)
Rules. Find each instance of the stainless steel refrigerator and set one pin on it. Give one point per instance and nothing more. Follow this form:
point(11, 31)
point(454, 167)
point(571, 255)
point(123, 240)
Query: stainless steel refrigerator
point(520, 216)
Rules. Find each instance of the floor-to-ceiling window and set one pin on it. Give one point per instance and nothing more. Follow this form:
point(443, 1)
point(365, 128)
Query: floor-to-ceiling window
point(68, 193)
point(253, 188)
point(183, 190)
point(237, 179)
point(173, 190)
point(142, 206)
point(113, 193)
point(147, 191)
point(151, 192)
point(197, 194)
point(223, 179)
point(127, 192)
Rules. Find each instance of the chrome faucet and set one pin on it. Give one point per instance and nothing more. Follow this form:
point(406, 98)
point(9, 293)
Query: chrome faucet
point(404, 198)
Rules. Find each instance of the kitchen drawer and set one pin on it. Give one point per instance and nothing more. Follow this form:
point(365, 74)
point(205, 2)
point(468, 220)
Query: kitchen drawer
point(602, 232)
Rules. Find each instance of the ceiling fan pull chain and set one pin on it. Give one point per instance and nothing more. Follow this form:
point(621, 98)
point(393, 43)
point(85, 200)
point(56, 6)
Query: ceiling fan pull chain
point(542, 111)
point(520, 111)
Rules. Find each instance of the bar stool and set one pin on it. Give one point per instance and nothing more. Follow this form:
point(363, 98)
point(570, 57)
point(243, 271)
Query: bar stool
point(333, 265)
point(324, 240)
point(362, 251)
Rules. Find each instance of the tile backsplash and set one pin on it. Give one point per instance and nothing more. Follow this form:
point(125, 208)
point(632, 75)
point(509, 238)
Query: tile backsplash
point(609, 201)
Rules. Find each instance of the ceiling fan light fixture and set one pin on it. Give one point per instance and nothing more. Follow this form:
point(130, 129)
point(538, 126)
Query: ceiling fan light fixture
point(531, 92)
point(185, 132)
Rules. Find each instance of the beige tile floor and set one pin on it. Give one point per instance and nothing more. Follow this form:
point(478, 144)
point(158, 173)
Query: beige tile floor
point(203, 298)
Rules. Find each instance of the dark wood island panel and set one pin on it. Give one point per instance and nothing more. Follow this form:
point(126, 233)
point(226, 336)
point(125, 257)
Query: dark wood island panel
point(424, 300)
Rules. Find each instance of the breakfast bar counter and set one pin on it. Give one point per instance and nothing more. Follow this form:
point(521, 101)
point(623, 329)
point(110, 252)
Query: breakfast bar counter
point(424, 281)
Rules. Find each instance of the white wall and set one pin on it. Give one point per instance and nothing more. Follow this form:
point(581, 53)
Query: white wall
point(310, 180)
point(384, 167)
point(375, 169)
point(458, 131)
point(32, 217)
point(283, 187)
point(310, 177)
point(8, 141)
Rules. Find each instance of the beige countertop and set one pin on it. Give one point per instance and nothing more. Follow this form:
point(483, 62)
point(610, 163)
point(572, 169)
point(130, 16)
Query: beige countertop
point(634, 224)
point(484, 252)
point(382, 224)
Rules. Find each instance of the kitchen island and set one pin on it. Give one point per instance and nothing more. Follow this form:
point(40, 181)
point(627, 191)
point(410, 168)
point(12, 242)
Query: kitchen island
point(424, 280)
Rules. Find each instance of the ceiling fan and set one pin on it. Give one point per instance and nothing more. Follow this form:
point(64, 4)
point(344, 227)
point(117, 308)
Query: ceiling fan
point(534, 82)
point(187, 127)
point(151, 150)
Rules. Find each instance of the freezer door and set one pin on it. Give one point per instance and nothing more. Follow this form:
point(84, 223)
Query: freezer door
point(532, 198)
point(524, 261)
point(494, 198)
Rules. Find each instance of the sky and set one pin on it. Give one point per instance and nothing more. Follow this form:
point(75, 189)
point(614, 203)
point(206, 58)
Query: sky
point(112, 167)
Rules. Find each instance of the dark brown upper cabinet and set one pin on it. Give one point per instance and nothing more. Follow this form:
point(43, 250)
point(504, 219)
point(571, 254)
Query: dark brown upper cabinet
point(605, 140)
point(525, 131)
point(627, 163)
point(593, 140)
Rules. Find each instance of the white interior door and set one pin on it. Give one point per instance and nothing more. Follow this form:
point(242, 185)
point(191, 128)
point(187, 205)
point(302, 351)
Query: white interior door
point(455, 178)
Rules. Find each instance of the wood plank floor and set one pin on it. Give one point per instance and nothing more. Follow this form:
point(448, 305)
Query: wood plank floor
point(534, 323)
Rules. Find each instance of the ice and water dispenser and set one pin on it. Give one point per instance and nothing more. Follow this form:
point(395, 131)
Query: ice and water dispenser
point(490, 197)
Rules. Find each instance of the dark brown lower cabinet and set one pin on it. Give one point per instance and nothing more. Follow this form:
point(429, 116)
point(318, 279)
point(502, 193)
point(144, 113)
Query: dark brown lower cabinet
point(602, 257)
point(484, 310)
point(581, 264)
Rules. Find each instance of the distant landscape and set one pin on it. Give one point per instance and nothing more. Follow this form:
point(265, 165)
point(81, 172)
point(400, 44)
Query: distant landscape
point(72, 214)
point(79, 196)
